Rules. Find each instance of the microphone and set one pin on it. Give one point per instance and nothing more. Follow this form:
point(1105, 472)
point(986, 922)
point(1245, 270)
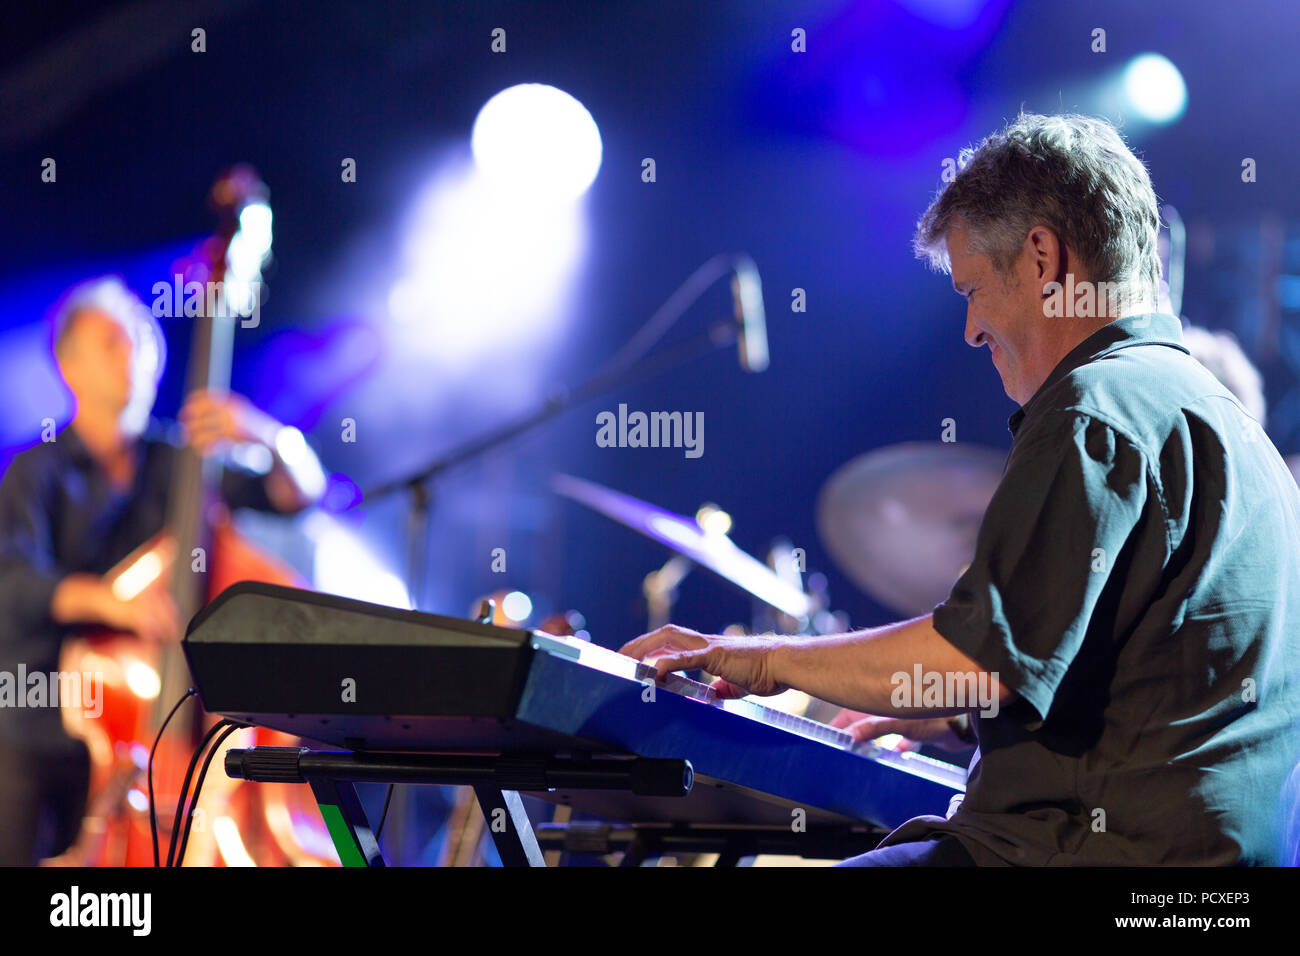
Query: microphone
point(747, 294)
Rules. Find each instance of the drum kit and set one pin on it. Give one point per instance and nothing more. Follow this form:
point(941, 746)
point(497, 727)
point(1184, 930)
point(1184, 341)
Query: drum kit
point(900, 522)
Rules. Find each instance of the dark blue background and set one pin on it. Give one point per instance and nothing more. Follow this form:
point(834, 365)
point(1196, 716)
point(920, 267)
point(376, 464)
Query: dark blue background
point(817, 164)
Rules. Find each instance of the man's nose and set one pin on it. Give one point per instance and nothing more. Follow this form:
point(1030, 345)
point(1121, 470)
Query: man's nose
point(974, 334)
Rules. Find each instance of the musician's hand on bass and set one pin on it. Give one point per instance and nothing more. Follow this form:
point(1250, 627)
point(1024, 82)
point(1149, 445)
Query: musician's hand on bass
point(151, 615)
point(742, 663)
point(213, 420)
point(89, 599)
point(914, 730)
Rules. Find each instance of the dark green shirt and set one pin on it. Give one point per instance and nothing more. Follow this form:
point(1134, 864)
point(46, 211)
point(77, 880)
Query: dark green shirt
point(1137, 583)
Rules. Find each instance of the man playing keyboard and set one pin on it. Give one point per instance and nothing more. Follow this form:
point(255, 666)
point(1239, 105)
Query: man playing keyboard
point(1132, 603)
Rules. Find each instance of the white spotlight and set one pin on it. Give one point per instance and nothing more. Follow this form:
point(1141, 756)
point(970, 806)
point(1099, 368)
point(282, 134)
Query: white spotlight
point(344, 565)
point(1155, 88)
point(538, 139)
point(517, 606)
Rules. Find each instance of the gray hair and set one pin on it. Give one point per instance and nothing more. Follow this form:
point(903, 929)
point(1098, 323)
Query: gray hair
point(111, 295)
point(1071, 173)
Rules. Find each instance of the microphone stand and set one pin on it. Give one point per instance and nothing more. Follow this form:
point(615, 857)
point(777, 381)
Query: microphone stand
point(717, 336)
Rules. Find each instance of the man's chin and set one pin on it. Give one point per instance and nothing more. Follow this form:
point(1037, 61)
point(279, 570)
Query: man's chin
point(1010, 390)
point(1009, 385)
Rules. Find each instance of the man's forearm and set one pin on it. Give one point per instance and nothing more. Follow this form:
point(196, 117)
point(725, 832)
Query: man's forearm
point(296, 480)
point(860, 670)
point(78, 599)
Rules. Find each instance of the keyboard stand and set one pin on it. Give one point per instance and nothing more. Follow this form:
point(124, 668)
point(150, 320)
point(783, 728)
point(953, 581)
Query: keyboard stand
point(640, 842)
point(497, 780)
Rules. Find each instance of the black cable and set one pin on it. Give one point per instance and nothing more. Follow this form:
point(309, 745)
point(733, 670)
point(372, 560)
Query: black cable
point(185, 786)
point(153, 815)
point(198, 787)
point(384, 816)
point(183, 798)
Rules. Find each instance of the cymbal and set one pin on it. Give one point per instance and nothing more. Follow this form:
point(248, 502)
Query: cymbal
point(712, 550)
point(901, 521)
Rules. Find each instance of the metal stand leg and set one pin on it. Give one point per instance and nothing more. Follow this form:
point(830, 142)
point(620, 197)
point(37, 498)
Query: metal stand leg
point(496, 779)
point(346, 822)
point(508, 823)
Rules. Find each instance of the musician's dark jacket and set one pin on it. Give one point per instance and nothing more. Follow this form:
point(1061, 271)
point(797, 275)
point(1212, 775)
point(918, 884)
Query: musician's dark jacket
point(60, 514)
point(1137, 583)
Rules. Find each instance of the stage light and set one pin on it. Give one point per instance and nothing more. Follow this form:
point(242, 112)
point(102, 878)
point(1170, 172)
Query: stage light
point(141, 573)
point(143, 680)
point(492, 244)
point(294, 452)
point(1154, 88)
point(230, 843)
point(486, 272)
point(255, 227)
point(712, 519)
point(344, 565)
point(517, 606)
point(249, 250)
point(537, 139)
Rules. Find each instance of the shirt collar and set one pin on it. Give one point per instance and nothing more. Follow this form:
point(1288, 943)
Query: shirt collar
point(1153, 328)
point(73, 446)
point(78, 453)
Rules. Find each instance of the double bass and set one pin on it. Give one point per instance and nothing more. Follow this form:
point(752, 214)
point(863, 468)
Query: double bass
point(197, 555)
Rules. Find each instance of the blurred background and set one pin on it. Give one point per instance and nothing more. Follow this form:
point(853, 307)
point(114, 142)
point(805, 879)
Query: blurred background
point(423, 307)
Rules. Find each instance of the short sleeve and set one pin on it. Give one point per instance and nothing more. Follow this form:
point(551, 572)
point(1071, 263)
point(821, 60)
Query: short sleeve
point(242, 488)
point(1061, 519)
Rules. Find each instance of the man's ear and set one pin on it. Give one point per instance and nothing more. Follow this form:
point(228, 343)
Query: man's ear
point(1050, 258)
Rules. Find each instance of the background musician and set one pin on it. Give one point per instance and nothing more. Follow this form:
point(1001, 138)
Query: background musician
point(73, 507)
